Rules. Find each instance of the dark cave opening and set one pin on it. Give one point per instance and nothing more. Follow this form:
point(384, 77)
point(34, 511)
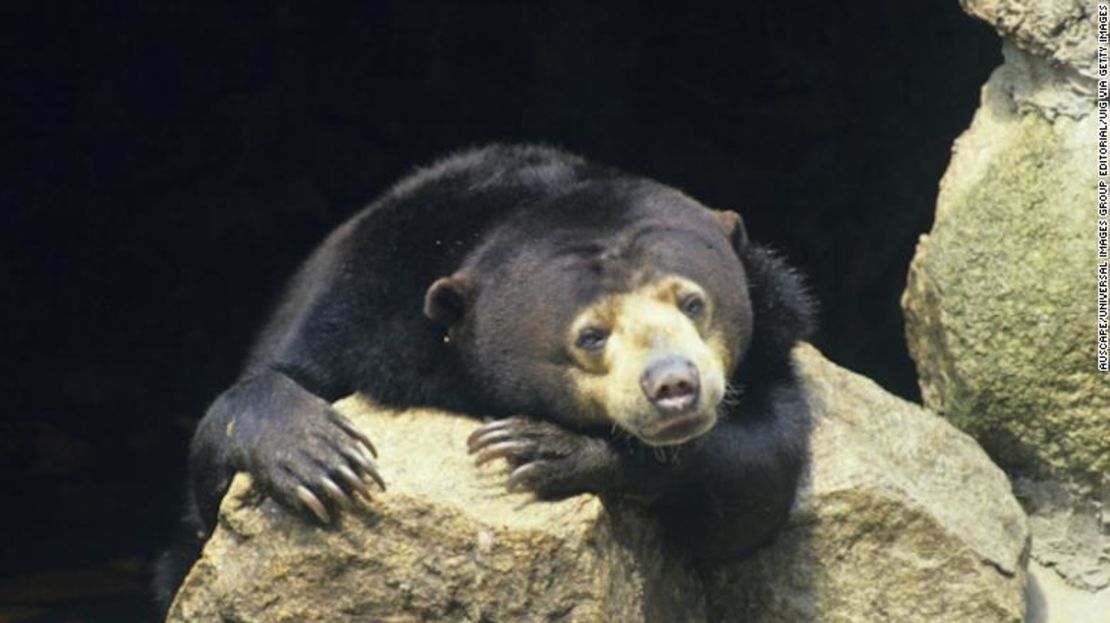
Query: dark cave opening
point(173, 163)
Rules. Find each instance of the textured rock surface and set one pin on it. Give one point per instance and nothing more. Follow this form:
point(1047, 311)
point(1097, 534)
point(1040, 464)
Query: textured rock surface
point(1000, 300)
point(1062, 31)
point(1069, 537)
point(903, 518)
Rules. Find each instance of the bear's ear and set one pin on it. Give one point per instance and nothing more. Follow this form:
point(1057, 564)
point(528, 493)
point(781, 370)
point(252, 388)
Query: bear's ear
point(733, 227)
point(447, 299)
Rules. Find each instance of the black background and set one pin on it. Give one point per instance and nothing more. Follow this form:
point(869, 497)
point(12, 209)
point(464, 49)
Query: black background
point(167, 164)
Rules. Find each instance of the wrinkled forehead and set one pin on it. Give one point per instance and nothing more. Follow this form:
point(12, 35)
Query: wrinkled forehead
point(567, 252)
point(700, 254)
point(562, 275)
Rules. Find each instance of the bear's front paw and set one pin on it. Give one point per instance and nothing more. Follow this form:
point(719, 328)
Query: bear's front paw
point(547, 459)
point(318, 461)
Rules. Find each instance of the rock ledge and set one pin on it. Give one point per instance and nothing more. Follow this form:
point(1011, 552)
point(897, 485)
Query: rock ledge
point(902, 518)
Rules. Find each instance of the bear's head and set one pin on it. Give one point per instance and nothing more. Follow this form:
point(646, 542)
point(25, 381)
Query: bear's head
point(621, 304)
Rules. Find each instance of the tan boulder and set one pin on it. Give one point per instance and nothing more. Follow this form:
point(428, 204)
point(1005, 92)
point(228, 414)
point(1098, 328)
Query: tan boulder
point(445, 543)
point(902, 518)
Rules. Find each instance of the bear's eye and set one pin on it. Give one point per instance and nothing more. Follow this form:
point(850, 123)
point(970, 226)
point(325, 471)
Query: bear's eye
point(591, 338)
point(692, 305)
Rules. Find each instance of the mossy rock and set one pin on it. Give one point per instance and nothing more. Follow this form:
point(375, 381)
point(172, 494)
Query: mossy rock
point(1001, 297)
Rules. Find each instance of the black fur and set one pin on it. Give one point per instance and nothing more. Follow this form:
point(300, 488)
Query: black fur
point(523, 226)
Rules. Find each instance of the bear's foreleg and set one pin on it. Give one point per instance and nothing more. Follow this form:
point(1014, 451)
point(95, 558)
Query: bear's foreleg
point(297, 448)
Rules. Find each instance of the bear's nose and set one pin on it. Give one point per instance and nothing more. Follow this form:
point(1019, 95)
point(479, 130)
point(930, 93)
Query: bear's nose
point(671, 385)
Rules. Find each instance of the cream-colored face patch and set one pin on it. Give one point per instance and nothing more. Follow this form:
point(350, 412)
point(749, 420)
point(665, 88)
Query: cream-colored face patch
point(614, 342)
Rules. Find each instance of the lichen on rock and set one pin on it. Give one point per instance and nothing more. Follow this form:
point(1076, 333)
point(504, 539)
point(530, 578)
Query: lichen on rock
point(1000, 296)
point(1000, 301)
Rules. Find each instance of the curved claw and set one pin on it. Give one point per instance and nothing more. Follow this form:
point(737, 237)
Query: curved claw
point(502, 450)
point(355, 432)
point(365, 465)
point(492, 426)
point(376, 477)
point(521, 474)
point(351, 479)
point(313, 503)
point(487, 438)
point(336, 492)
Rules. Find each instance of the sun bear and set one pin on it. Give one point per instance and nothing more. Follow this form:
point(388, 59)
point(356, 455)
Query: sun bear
point(622, 338)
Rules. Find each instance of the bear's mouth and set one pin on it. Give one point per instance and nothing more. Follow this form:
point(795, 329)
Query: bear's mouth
point(677, 429)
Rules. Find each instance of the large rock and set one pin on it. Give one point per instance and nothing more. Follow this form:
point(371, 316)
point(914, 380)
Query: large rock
point(902, 518)
point(1000, 301)
point(1061, 32)
point(443, 544)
